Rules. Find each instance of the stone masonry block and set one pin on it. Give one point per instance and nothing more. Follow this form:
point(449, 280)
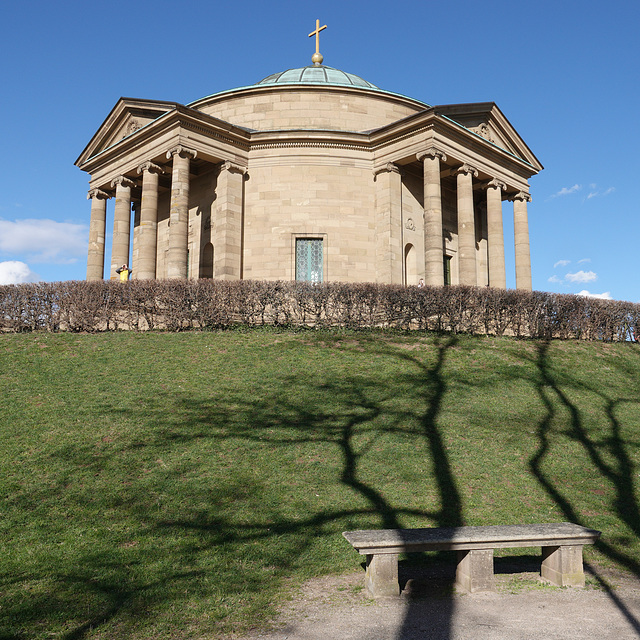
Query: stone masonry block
point(562, 566)
point(382, 575)
point(474, 573)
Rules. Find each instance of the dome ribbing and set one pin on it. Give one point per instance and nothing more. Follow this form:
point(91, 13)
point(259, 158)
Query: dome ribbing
point(316, 75)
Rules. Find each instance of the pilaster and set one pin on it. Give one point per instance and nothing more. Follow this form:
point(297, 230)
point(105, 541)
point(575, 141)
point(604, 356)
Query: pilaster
point(227, 229)
point(389, 249)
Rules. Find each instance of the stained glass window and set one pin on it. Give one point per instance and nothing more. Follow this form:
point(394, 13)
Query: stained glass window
point(309, 259)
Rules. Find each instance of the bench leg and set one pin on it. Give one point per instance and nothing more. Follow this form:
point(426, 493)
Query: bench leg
point(381, 579)
point(475, 570)
point(562, 566)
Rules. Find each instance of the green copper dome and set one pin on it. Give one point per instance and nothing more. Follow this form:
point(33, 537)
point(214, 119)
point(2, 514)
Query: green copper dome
point(316, 74)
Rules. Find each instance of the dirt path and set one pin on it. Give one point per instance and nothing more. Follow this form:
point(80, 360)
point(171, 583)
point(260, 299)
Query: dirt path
point(336, 608)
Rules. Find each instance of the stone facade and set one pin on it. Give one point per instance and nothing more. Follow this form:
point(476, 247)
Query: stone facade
point(323, 178)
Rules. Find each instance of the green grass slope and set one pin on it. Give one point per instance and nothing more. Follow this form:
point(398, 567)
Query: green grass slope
point(173, 485)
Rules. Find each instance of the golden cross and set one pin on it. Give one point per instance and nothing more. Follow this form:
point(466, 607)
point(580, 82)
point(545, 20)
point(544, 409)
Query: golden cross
point(316, 33)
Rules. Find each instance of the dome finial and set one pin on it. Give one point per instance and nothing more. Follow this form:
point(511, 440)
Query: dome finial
point(317, 57)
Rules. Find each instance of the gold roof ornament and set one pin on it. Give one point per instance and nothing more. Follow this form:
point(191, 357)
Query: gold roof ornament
point(317, 57)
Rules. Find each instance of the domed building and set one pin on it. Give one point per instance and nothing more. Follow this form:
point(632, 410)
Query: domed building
point(311, 174)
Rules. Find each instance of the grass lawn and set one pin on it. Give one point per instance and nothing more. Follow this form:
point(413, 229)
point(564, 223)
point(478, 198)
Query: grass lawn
point(177, 485)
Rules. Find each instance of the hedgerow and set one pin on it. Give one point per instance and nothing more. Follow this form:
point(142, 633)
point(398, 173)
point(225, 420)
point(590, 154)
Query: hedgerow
point(179, 305)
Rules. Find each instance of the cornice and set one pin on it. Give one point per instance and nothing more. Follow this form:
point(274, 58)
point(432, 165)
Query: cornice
point(120, 109)
point(216, 134)
point(184, 118)
point(318, 144)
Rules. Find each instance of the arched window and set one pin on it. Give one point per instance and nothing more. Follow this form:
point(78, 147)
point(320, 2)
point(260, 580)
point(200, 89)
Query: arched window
point(410, 265)
point(206, 261)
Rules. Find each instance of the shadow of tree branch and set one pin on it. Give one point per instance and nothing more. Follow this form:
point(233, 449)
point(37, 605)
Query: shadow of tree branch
point(620, 475)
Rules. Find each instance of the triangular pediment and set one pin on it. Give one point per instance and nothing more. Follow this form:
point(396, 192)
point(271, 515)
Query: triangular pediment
point(128, 115)
point(486, 120)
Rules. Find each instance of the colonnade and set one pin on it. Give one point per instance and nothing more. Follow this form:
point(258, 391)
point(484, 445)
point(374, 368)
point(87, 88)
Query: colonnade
point(227, 231)
point(433, 227)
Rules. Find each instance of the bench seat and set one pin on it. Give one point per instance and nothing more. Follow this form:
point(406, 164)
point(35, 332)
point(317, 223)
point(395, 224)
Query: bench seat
point(561, 545)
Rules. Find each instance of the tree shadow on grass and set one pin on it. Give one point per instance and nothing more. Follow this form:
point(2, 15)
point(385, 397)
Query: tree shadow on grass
point(224, 526)
point(609, 459)
point(354, 431)
point(438, 617)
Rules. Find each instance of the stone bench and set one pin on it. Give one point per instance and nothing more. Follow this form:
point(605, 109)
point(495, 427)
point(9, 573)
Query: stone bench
point(561, 552)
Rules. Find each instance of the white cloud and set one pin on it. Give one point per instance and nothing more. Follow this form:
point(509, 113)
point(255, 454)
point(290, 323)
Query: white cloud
point(561, 263)
point(565, 191)
point(596, 192)
point(43, 240)
point(15, 272)
point(602, 296)
point(581, 276)
point(584, 260)
point(554, 278)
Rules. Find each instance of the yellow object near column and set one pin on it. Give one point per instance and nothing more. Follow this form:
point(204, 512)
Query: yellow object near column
point(124, 272)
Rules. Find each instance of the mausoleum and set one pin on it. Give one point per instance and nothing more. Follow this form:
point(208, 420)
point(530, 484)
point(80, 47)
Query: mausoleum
point(310, 174)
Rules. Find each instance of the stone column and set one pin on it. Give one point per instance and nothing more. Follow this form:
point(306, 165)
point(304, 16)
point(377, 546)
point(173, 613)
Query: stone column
point(389, 249)
point(148, 237)
point(227, 227)
point(97, 227)
point(433, 236)
point(121, 223)
point(466, 225)
point(179, 212)
point(521, 234)
point(495, 234)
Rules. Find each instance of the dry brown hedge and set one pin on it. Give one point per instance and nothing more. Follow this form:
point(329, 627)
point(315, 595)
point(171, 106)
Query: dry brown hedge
point(178, 305)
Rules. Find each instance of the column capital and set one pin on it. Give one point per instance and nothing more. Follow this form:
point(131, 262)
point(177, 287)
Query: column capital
point(97, 193)
point(123, 181)
point(183, 152)
point(495, 184)
point(231, 167)
point(465, 169)
point(431, 152)
point(150, 167)
point(390, 167)
point(521, 195)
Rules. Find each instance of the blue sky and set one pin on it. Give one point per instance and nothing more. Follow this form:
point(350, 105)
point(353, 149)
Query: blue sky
point(565, 73)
